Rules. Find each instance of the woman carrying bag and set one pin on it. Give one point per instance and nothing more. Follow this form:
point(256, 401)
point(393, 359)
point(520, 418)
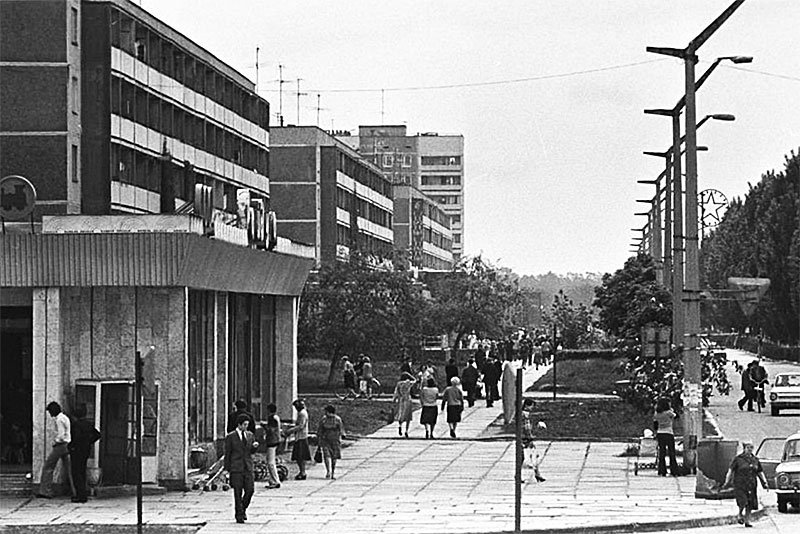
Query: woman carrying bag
point(330, 433)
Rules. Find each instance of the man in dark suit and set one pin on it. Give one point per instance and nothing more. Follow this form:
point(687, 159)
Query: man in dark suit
point(241, 408)
point(84, 434)
point(239, 444)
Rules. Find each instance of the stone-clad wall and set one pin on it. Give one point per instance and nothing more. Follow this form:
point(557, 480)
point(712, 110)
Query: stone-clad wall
point(93, 333)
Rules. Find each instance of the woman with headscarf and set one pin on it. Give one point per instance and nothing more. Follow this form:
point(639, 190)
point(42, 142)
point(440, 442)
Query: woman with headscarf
point(402, 401)
point(743, 472)
point(453, 401)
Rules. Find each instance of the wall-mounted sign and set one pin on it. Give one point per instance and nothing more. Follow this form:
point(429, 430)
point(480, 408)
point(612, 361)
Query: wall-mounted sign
point(17, 198)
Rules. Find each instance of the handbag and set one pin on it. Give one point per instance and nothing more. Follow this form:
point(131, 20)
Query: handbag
point(318, 456)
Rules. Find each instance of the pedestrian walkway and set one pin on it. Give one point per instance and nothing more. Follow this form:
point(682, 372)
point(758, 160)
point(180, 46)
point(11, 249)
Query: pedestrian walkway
point(390, 484)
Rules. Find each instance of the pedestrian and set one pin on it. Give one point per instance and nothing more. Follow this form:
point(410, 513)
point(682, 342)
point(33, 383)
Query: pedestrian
point(402, 402)
point(469, 381)
point(491, 375)
point(537, 354)
point(59, 451)
point(532, 457)
point(83, 434)
point(239, 446)
point(547, 350)
point(429, 413)
point(665, 437)
point(272, 439)
point(349, 377)
point(509, 390)
point(367, 376)
point(742, 474)
point(240, 407)
point(330, 433)
point(406, 366)
point(748, 388)
point(450, 370)
point(758, 375)
point(453, 401)
point(300, 451)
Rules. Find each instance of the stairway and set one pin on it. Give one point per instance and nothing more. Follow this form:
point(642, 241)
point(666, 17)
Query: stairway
point(15, 484)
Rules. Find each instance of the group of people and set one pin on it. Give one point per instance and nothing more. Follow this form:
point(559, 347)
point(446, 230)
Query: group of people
point(71, 446)
point(359, 378)
point(241, 443)
point(754, 378)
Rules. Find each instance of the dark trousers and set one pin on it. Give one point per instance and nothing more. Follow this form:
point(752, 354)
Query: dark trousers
point(749, 395)
point(470, 389)
point(666, 445)
point(491, 393)
point(78, 461)
point(242, 484)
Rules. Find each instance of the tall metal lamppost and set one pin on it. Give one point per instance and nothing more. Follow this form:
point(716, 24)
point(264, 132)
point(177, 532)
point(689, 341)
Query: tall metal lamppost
point(692, 385)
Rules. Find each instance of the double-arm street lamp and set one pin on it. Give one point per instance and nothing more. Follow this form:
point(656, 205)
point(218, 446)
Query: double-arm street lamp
point(692, 385)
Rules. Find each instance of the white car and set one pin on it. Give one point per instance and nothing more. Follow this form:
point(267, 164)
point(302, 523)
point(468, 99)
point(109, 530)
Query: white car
point(782, 470)
point(785, 393)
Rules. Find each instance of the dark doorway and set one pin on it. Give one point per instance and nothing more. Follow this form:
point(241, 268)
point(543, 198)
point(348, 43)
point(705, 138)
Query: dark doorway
point(16, 387)
point(116, 452)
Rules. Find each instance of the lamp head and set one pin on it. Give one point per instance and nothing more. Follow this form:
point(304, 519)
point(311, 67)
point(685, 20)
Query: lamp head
point(741, 59)
point(723, 117)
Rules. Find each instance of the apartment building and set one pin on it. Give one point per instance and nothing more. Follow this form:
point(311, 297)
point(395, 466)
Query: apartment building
point(422, 229)
point(149, 158)
point(327, 195)
point(430, 162)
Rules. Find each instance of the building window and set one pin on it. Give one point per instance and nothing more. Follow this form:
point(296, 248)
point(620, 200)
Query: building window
point(75, 163)
point(455, 219)
point(74, 25)
point(456, 238)
point(388, 160)
point(74, 94)
point(407, 160)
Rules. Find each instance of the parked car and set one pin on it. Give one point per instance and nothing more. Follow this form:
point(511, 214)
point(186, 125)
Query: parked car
point(782, 469)
point(785, 393)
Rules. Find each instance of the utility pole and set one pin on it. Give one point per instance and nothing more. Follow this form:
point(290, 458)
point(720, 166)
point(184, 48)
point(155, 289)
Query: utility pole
point(256, 70)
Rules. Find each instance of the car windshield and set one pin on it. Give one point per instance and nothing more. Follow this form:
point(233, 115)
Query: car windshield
point(787, 380)
point(792, 450)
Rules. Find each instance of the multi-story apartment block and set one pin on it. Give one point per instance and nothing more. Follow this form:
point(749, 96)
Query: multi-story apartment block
point(431, 162)
point(326, 194)
point(118, 121)
point(422, 229)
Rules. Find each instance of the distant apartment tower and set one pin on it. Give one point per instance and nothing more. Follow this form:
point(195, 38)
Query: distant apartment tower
point(421, 230)
point(327, 195)
point(431, 162)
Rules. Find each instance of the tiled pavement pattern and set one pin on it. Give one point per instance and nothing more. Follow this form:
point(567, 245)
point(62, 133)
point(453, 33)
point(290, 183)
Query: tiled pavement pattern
point(390, 484)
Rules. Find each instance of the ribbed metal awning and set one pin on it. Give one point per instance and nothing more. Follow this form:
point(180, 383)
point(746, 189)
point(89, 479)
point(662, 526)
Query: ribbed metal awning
point(147, 259)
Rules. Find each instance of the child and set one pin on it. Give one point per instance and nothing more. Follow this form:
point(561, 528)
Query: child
point(532, 456)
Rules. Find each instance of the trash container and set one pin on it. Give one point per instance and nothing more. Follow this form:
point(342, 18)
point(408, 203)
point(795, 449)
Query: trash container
point(714, 456)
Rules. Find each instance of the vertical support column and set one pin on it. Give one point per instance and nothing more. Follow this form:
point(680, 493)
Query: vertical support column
point(692, 388)
point(656, 244)
point(677, 233)
point(668, 222)
point(286, 309)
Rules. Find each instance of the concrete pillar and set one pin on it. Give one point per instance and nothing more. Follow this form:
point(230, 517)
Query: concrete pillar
point(286, 310)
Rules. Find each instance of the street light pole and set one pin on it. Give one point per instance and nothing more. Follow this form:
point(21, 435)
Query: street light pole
point(692, 384)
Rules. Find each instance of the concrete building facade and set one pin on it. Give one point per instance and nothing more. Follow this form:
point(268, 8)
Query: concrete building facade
point(430, 162)
point(327, 196)
point(422, 229)
point(150, 161)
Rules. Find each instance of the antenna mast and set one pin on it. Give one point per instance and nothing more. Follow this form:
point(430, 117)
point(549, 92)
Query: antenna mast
point(280, 95)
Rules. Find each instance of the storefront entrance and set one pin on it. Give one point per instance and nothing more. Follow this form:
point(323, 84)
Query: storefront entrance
point(16, 388)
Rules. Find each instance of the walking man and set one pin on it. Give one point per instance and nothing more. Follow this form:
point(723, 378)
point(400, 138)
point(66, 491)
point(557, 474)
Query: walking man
point(60, 451)
point(239, 445)
point(491, 374)
point(748, 388)
point(84, 434)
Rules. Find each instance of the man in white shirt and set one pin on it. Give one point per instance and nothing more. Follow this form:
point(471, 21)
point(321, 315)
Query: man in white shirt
point(60, 451)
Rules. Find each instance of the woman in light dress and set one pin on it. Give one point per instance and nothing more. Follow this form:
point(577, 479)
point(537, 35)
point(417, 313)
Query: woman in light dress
point(402, 400)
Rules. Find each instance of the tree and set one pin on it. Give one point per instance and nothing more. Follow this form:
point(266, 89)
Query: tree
point(472, 297)
point(630, 299)
point(575, 323)
point(351, 307)
point(760, 237)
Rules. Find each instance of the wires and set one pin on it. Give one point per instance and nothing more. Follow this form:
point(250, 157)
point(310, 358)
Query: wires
point(483, 84)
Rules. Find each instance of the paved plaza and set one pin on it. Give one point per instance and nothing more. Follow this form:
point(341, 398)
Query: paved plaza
point(390, 484)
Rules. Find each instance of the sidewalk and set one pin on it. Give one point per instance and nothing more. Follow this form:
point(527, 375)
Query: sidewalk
point(390, 484)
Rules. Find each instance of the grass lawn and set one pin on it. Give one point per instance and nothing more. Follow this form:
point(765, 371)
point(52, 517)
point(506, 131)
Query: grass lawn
point(598, 418)
point(595, 375)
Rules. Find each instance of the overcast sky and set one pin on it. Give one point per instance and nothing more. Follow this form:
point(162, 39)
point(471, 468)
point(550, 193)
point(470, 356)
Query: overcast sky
point(548, 95)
